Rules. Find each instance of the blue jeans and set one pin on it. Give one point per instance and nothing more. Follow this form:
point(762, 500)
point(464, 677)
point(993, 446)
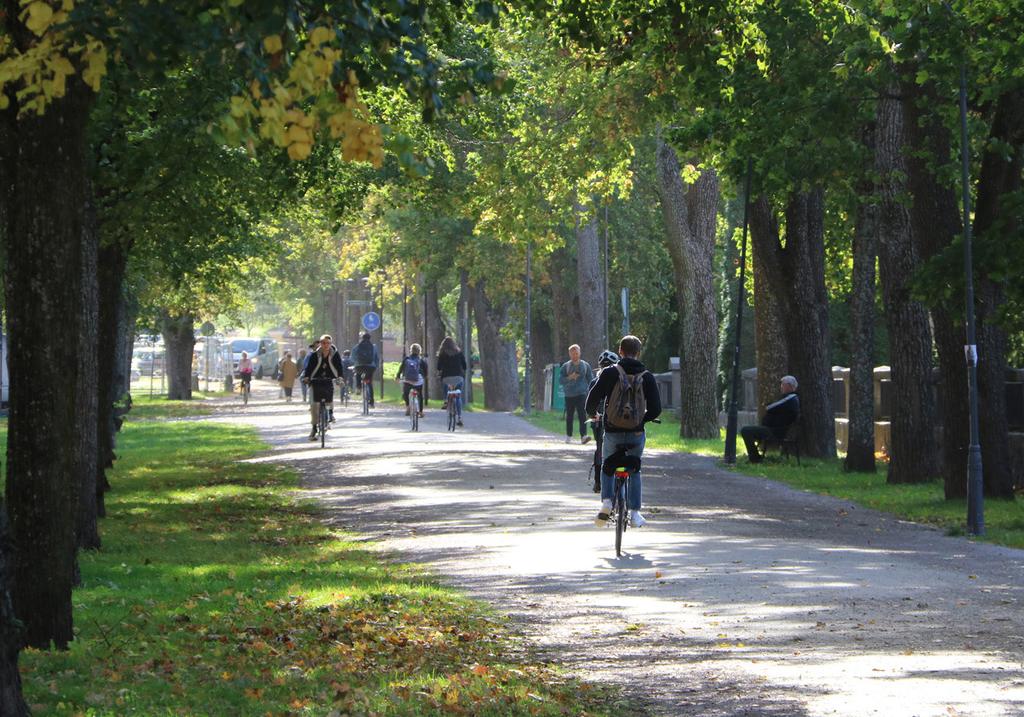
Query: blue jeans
point(612, 443)
point(458, 382)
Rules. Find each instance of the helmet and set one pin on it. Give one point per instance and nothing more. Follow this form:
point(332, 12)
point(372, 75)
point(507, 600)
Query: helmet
point(607, 358)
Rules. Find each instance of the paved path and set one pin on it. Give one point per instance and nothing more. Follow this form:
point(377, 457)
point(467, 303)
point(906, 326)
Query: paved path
point(740, 597)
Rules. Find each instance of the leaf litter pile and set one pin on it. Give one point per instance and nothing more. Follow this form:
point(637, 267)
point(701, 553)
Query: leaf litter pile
point(216, 594)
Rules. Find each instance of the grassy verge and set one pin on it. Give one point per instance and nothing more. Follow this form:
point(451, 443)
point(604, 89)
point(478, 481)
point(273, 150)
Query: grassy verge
point(158, 407)
point(922, 502)
point(216, 594)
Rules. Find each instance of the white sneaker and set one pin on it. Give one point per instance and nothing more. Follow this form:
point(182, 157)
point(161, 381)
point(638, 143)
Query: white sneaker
point(568, 439)
point(636, 520)
point(584, 440)
point(602, 515)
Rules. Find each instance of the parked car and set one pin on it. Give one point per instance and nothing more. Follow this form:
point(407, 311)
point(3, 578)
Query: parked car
point(262, 351)
point(148, 360)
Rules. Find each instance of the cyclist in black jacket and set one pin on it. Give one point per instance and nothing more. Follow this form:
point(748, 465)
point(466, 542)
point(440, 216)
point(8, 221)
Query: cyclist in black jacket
point(627, 441)
point(322, 367)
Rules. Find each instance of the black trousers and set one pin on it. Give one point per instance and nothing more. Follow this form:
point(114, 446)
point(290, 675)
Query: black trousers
point(577, 405)
point(752, 435)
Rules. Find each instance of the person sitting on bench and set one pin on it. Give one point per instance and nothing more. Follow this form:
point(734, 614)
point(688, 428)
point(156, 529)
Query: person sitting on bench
point(778, 417)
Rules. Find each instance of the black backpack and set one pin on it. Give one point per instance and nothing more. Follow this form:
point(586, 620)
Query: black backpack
point(363, 354)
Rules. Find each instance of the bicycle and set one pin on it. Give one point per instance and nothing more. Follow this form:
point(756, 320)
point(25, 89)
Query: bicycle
point(620, 511)
point(345, 393)
point(245, 387)
point(414, 407)
point(323, 414)
point(366, 395)
point(454, 415)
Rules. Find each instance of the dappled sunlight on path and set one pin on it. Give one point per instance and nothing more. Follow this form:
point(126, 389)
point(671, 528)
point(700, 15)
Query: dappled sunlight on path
point(740, 597)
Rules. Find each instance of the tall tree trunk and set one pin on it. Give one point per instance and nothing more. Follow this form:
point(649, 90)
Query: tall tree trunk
point(497, 353)
point(179, 343)
point(12, 704)
point(45, 235)
point(690, 219)
point(860, 440)
point(936, 222)
point(913, 450)
point(999, 181)
point(436, 331)
point(796, 272)
point(589, 288)
point(563, 297)
point(87, 388)
point(771, 350)
point(111, 361)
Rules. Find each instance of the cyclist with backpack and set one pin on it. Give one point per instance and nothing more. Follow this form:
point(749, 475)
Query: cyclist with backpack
point(631, 398)
point(411, 372)
point(365, 360)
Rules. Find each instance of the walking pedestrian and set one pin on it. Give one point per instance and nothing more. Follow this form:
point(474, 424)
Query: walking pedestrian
point(288, 370)
point(575, 376)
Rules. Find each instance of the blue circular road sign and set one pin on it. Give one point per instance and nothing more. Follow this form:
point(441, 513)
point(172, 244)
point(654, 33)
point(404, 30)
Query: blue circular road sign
point(371, 321)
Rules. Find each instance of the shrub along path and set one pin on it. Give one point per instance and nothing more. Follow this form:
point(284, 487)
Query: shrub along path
point(741, 597)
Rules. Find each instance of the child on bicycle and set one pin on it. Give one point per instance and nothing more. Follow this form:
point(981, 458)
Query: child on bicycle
point(606, 359)
point(631, 399)
point(411, 372)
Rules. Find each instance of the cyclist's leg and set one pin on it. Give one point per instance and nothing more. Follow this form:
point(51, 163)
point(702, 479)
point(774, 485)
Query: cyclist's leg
point(314, 406)
point(369, 376)
point(634, 488)
point(406, 387)
point(609, 446)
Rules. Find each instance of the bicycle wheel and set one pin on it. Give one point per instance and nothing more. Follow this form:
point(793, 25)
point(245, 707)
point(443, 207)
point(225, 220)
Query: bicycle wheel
point(414, 409)
point(366, 399)
point(323, 424)
point(452, 413)
point(620, 514)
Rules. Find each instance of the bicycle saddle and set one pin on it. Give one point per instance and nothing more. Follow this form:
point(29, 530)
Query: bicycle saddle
point(619, 459)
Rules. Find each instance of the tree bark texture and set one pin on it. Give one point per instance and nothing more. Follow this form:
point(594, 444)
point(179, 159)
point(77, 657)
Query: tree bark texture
point(795, 271)
point(999, 181)
point(497, 353)
point(45, 232)
point(589, 288)
point(860, 441)
point(12, 704)
point(112, 363)
point(87, 388)
point(436, 331)
point(543, 350)
point(179, 343)
point(913, 455)
point(771, 349)
point(690, 217)
point(563, 296)
point(937, 221)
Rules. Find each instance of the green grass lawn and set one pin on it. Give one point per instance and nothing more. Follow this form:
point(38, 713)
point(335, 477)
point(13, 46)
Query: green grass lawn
point(922, 502)
point(216, 594)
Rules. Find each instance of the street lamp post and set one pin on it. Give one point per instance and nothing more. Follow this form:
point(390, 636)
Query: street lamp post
point(975, 480)
point(731, 423)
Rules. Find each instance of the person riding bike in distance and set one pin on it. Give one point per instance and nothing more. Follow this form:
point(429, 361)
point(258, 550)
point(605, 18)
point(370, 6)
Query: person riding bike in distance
point(321, 368)
point(451, 365)
point(630, 396)
point(365, 360)
point(411, 372)
point(346, 362)
point(245, 371)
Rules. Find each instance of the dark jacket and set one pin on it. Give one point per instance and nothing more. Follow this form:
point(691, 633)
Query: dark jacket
point(781, 414)
point(317, 367)
point(602, 389)
point(356, 352)
point(423, 369)
point(451, 364)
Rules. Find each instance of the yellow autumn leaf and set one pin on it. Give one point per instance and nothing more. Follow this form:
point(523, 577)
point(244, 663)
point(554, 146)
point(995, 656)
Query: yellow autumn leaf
point(37, 17)
point(320, 35)
point(299, 150)
point(272, 44)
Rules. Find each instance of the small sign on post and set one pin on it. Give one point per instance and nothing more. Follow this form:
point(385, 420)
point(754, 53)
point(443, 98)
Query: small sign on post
point(371, 321)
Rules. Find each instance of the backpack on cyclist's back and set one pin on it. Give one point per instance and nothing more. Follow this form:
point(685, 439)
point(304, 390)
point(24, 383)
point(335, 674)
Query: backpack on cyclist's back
point(627, 404)
point(411, 369)
point(363, 354)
